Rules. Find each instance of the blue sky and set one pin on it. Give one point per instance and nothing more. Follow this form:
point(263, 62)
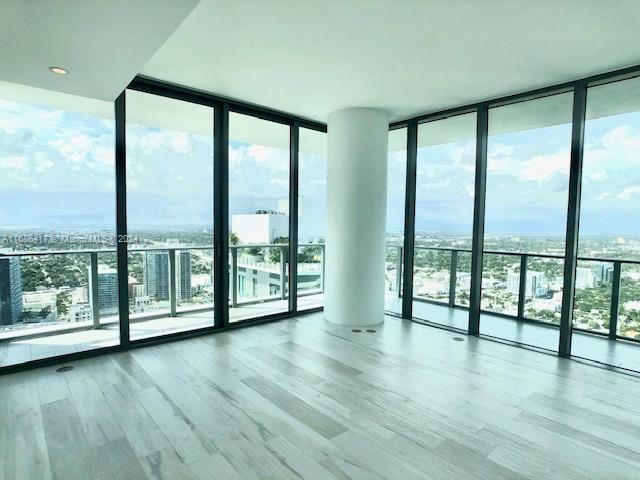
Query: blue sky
point(58, 171)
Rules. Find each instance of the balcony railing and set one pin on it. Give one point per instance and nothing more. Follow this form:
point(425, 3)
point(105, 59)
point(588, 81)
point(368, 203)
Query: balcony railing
point(279, 269)
point(238, 298)
point(522, 260)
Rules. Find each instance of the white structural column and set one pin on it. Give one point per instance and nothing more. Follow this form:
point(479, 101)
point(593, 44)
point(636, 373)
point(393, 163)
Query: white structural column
point(356, 216)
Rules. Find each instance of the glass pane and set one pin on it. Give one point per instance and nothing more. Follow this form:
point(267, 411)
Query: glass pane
point(528, 157)
point(500, 281)
point(259, 217)
point(444, 216)
point(169, 214)
point(396, 187)
point(592, 302)
point(543, 290)
point(629, 313)
point(431, 274)
point(609, 208)
point(58, 282)
point(463, 279)
point(312, 199)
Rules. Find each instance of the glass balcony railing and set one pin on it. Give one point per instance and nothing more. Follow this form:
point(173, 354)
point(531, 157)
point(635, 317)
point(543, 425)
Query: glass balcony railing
point(50, 292)
point(528, 286)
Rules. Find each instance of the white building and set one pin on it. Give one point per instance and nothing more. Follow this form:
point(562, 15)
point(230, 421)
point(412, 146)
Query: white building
point(536, 286)
point(585, 278)
point(260, 227)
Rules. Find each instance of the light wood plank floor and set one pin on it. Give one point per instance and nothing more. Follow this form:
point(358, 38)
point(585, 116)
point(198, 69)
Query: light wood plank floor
point(304, 399)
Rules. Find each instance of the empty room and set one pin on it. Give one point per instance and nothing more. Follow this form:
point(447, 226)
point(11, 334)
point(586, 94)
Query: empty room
point(319, 239)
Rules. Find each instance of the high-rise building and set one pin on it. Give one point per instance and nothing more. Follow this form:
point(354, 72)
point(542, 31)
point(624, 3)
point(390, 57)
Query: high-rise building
point(585, 278)
point(156, 275)
point(603, 272)
point(107, 290)
point(183, 270)
point(536, 285)
point(10, 291)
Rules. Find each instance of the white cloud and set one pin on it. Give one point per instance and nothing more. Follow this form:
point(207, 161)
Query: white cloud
point(13, 162)
point(444, 183)
point(260, 153)
point(470, 189)
point(50, 115)
point(105, 156)
point(74, 147)
point(622, 135)
point(43, 162)
point(599, 176)
point(603, 196)
point(180, 142)
point(9, 125)
point(496, 165)
point(628, 192)
point(541, 167)
point(501, 150)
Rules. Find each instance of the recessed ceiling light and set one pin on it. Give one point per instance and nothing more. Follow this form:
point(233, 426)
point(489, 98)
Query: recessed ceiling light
point(59, 70)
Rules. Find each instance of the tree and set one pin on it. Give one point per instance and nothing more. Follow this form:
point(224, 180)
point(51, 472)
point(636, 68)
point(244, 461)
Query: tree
point(63, 300)
point(274, 252)
point(310, 254)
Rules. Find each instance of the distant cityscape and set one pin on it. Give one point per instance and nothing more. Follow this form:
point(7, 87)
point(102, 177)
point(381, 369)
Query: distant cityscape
point(57, 288)
point(544, 278)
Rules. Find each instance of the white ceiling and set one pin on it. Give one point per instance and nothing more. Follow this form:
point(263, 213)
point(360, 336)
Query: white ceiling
point(103, 43)
point(310, 57)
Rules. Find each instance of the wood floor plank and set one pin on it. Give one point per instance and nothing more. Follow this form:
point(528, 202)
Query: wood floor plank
point(289, 403)
point(139, 428)
point(98, 420)
point(114, 460)
point(305, 399)
point(166, 465)
point(67, 446)
point(189, 442)
point(214, 466)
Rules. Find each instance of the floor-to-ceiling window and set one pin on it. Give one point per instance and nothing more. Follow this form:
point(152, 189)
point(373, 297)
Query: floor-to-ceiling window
point(58, 288)
point(528, 158)
point(607, 291)
point(396, 190)
point(258, 217)
point(312, 199)
point(169, 214)
point(445, 168)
